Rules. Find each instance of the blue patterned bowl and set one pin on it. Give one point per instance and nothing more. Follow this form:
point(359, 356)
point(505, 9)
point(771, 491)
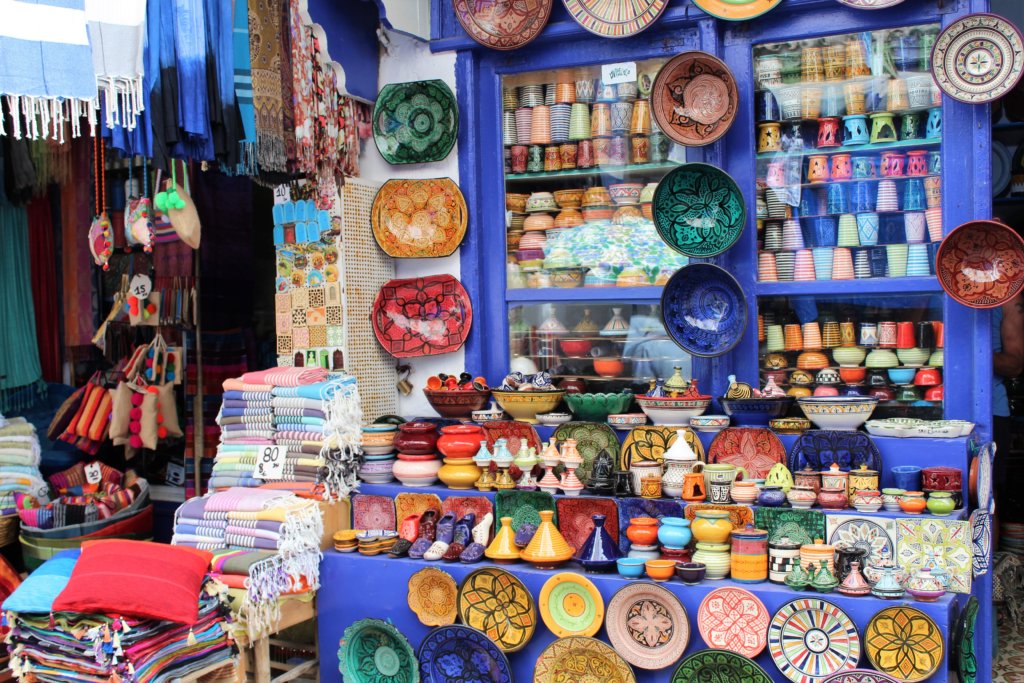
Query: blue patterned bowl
point(704, 310)
point(755, 411)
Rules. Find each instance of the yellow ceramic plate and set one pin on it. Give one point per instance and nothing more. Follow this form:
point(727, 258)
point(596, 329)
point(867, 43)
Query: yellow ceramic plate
point(433, 596)
point(736, 10)
point(494, 601)
point(571, 605)
point(905, 643)
point(419, 218)
point(581, 659)
point(650, 443)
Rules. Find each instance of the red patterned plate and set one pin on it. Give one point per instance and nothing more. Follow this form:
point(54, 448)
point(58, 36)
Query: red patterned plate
point(515, 433)
point(694, 98)
point(981, 264)
point(460, 506)
point(422, 316)
point(755, 449)
point(575, 523)
point(503, 25)
point(373, 512)
point(734, 619)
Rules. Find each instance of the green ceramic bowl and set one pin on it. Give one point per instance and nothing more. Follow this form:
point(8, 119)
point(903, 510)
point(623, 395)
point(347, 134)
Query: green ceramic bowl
point(597, 407)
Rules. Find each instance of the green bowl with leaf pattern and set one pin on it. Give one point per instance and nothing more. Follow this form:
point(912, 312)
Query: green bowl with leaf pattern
point(597, 407)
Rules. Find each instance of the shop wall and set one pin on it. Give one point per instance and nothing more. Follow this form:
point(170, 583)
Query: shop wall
point(406, 59)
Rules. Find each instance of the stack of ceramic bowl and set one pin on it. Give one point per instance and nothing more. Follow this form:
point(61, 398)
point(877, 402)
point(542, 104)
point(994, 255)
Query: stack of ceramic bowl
point(515, 204)
point(378, 458)
point(418, 462)
point(345, 540)
point(597, 205)
point(559, 114)
point(375, 541)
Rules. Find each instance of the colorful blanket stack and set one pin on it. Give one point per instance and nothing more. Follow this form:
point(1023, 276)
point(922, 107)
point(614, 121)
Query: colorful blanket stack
point(313, 419)
point(79, 500)
point(19, 463)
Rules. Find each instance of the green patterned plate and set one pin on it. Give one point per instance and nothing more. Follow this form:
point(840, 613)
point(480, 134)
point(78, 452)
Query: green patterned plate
point(523, 506)
point(373, 651)
point(591, 439)
point(719, 665)
point(415, 122)
point(699, 210)
point(571, 605)
point(963, 640)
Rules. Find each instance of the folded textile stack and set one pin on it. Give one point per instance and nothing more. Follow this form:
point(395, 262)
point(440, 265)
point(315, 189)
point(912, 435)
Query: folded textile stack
point(19, 463)
point(86, 492)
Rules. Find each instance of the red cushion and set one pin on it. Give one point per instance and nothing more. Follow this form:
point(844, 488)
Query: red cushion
point(136, 579)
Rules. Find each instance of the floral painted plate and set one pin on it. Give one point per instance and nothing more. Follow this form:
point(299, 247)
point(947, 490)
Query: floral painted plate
point(754, 449)
point(719, 665)
point(699, 211)
point(876, 535)
point(419, 218)
point(981, 264)
point(408, 504)
point(433, 595)
point(373, 650)
point(497, 603)
point(373, 512)
point(860, 675)
point(736, 10)
point(905, 643)
point(869, 4)
point(647, 625)
point(810, 638)
point(524, 506)
point(571, 605)
point(591, 439)
point(704, 309)
point(615, 19)
point(503, 26)
point(649, 443)
point(978, 58)
point(460, 653)
point(415, 122)
point(818, 449)
point(733, 619)
point(577, 658)
point(422, 316)
point(740, 516)
point(963, 641)
point(574, 518)
point(694, 100)
point(515, 433)
point(981, 539)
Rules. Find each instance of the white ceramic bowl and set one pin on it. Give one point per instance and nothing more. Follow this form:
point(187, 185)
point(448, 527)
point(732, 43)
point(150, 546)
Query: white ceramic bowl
point(553, 418)
point(672, 411)
point(627, 420)
point(378, 450)
point(843, 413)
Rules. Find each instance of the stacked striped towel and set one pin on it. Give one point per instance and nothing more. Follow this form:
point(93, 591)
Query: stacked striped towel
point(19, 464)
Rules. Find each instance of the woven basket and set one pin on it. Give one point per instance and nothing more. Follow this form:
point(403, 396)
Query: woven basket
point(9, 529)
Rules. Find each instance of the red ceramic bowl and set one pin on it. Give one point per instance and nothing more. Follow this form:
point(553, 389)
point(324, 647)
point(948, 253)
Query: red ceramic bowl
point(981, 264)
point(928, 377)
point(458, 404)
point(609, 367)
point(934, 393)
point(575, 347)
point(853, 375)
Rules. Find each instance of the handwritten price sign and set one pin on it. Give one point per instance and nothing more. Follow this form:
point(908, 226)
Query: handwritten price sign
point(270, 464)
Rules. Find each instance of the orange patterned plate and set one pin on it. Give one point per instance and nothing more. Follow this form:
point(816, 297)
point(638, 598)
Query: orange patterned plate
point(419, 218)
point(503, 25)
point(407, 504)
point(755, 449)
point(651, 442)
point(432, 597)
point(694, 98)
point(578, 658)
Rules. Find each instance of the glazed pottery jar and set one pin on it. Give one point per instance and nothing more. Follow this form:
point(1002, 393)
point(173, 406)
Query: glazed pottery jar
point(912, 502)
point(891, 499)
point(460, 441)
point(833, 499)
point(599, 552)
point(845, 556)
point(642, 531)
point(640, 470)
point(749, 556)
point(743, 492)
point(906, 477)
point(941, 479)
point(711, 526)
point(923, 586)
point(808, 479)
point(417, 438)
point(694, 490)
point(867, 501)
point(459, 473)
point(715, 558)
point(548, 548)
point(802, 497)
point(674, 532)
point(771, 497)
point(862, 479)
point(416, 472)
point(783, 556)
point(834, 478)
point(941, 503)
point(813, 553)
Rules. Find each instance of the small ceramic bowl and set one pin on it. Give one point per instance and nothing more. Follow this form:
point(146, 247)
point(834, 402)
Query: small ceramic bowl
point(630, 567)
point(575, 347)
point(627, 420)
point(789, 425)
point(709, 423)
point(660, 570)
point(378, 450)
point(690, 573)
point(912, 357)
point(849, 356)
point(845, 413)
point(609, 367)
point(901, 375)
point(553, 418)
point(853, 375)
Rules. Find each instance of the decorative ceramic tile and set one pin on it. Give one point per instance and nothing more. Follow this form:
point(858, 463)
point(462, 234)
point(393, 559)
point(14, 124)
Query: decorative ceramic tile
point(373, 512)
point(283, 323)
point(574, 518)
point(877, 535)
point(283, 302)
point(317, 298)
point(298, 317)
point(514, 433)
point(300, 338)
point(981, 539)
point(643, 507)
point(741, 516)
point(924, 542)
point(335, 335)
point(332, 294)
point(335, 315)
point(800, 526)
point(318, 336)
point(316, 316)
point(284, 343)
point(300, 298)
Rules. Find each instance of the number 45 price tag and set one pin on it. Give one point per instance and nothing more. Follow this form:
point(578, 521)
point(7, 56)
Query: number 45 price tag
point(271, 463)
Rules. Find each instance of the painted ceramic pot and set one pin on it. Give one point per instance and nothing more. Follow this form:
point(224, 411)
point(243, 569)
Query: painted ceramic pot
point(711, 526)
point(941, 503)
point(418, 438)
point(812, 554)
point(808, 479)
point(743, 492)
point(924, 587)
point(674, 532)
point(834, 478)
point(642, 531)
point(802, 497)
point(891, 499)
point(715, 558)
point(460, 441)
point(913, 502)
point(862, 479)
point(941, 478)
point(417, 472)
point(771, 496)
point(642, 469)
point(833, 499)
point(867, 501)
point(459, 473)
point(749, 556)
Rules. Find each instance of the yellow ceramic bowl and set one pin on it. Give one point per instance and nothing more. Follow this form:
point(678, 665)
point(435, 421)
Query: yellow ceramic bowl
point(660, 570)
point(525, 405)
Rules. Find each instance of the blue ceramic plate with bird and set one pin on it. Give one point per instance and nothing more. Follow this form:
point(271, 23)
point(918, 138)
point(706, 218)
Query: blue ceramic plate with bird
point(460, 653)
point(704, 310)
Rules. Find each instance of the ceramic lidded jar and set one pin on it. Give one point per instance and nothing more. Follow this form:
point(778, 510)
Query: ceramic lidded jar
point(809, 479)
point(674, 532)
point(641, 470)
point(925, 586)
point(459, 473)
point(783, 556)
point(802, 497)
point(598, 552)
point(833, 498)
point(813, 553)
point(749, 556)
point(460, 441)
point(866, 501)
point(835, 478)
point(711, 526)
point(642, 531)
point(891, 499)
point(862, 479)
point(913, 502)
point(417, 438)
point(941, 503)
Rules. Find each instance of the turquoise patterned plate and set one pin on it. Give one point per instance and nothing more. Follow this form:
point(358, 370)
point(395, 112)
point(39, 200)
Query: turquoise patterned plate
point(699, 210)
point(415, 122)
point(372, 650)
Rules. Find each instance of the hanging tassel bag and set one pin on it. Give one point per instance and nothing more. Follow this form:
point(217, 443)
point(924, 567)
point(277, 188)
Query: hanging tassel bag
point(138, 223)
point(179, 207)
point(101, 243)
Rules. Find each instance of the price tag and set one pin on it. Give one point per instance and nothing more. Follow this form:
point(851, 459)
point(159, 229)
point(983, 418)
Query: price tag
point(93, 473)
point(622, 72)
point(282, 194)
point(140, 286)
point(271, 463)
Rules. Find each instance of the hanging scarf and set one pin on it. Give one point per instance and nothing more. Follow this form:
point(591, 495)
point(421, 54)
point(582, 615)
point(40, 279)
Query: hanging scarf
point(225, 121)
point(243, 95)
point(304, 97)
point(265, 55)
point(117, 32)
point(189, 21)
point(20, 373)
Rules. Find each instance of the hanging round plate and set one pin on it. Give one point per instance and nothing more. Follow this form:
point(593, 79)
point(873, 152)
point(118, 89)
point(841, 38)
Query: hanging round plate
point(460, 653)
point(373, 650)
point(963, 641)
point(433, 596)
point(571, 605)
point(811, 638)
point(419, 218)
point(905, 643)
point(719, 665)
point(704, 310)
point(496, 602)
point(694, 98)
point(981, 539)
point(984, 480)
point(615, 19)
point(647, 625)
point(698, 210)
point(1001, 168)
point(581, 659)
point(978, 58)
point(981, 264)
point(818, 449)
point(423, 316)
point(591, 438)
point(503, 26)
point(860, 676)
point(736, 10)
point(733, 619)
point(415, 122)
point(869, 4)
point(755, 449)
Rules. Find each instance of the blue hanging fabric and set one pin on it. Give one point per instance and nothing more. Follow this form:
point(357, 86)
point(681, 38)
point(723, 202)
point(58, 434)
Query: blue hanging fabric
point(189, 21)
point(243, 92)
point(21, 376)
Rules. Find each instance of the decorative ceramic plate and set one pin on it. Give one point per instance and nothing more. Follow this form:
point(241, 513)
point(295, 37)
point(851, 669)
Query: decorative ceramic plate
point(614, 18)
point(496, 602)
point(799, 526)
point(591, 439)
point(373, 512)
point(422, 316)
point(630, 508)
point(409, 504)
point(876, 535)
point(755, 449)
point(650, 443)
point(647, 625)
point(460, 506)
point(737, 10)
point(981, 264)
point(984, 485)
point(581, 659)
point(523, 506)
point(415, 122)
point(704, 309)
point(373, 650)
point(503, 26)
point(740, 516)
point(819, 448)
point(460, 653)
point(419, 218)
point(571, 605)
point(869, 4)
point(433, 596)
point(978, 58)
point(981, 539)
point(860, 675)
point(963, 642)
point(719, 665)
point(733, 619)
point(905, 643)
point(515, 434)
point(694, 101)
point(1001, 163)
point(574, 518)
point(811, 638)
point(922, 542)
point(699, 211)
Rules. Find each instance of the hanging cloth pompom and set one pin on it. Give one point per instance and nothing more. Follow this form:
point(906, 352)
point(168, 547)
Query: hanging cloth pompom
point(138, 223)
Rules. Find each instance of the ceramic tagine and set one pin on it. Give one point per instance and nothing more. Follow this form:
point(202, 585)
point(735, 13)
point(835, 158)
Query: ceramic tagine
point(923, 586)
point(854, 583)
point(824, 581)
point(599, 552)
point(550, 458)
point(482, 459)
point(887, 587)
point(503, 548)
point(502, 458)
point(526, 459)
point(571, 459)
point(548, 548)
point(679, 460)
point(798, 578)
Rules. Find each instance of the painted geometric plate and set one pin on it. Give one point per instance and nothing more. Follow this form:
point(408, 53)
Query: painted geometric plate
point(647, 625)
point(819, 448)
point(876, 536)
point(577, 658)
point(905, 643)
point(699, 211)
point(869, 4)
point(650, 443)
point(811, 638)
point(415, 122)
point(419, 218)
point(981, 539)
point(694, 100)
point(615, 19)
point(860, 675)
point(523, 506)
point(963, 641)
point(733, 619)
point(460, 653)
point(704, 309)
point(754, 449)
point(497, 603)
point(571, 605)
point(719, 665)
point(503, 26)
point(432, 597)
point(574, 518)
point(981, 264)
point(978, 58)
point(423, 316)
point(516, 434)
point(736, 10)
point(373, 512)
point(591, 439)
point(408, 504)
point(373, 650)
